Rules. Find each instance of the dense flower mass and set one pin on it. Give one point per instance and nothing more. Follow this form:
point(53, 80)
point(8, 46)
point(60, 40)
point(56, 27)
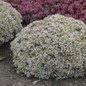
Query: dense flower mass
point(10, 22)
point(32, 10)
point(53, 47)
point(72, 8)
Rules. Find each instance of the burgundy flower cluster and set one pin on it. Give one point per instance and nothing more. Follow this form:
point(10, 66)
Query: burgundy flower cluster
point(72, 8)
point(32, 10)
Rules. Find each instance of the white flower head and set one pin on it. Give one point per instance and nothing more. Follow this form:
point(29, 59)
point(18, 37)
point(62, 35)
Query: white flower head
point(53, 47)
point(10, 22)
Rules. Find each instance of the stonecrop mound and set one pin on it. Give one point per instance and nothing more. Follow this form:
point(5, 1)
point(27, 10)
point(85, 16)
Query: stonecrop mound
point(53, 47)
point(10, 22)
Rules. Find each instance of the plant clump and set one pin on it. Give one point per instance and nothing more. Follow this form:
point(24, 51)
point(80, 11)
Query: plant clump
point(32, 10)
point(10, 22)
point(53, 47)
point(72, 8)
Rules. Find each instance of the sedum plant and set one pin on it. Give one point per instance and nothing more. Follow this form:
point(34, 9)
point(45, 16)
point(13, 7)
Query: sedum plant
point(10, 22)
point(53, 47)
point(32, 10)
point(72, 8)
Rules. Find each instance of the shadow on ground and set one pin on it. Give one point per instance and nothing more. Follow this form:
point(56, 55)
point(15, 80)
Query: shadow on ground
point(9, 77)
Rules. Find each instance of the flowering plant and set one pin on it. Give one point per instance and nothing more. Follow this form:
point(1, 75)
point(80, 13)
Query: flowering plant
point(10, 22)
point(32, 10)
point(72, 8)
point(53, 47)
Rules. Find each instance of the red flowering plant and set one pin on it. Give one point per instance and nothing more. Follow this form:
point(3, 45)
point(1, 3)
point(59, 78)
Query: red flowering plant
point(32, 10)
point(72, 8)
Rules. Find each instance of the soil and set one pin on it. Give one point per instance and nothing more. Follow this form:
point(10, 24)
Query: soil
point(9, 77)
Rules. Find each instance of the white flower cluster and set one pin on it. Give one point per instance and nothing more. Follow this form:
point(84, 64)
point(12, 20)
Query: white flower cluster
point(10, 22)
point(53, 47)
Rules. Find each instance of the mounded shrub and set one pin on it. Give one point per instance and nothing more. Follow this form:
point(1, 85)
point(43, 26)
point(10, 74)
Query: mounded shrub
point(10, 22)
point(32, 10)
point(53, 47)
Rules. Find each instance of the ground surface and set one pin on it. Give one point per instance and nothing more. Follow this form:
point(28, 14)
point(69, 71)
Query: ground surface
point(8, 76)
